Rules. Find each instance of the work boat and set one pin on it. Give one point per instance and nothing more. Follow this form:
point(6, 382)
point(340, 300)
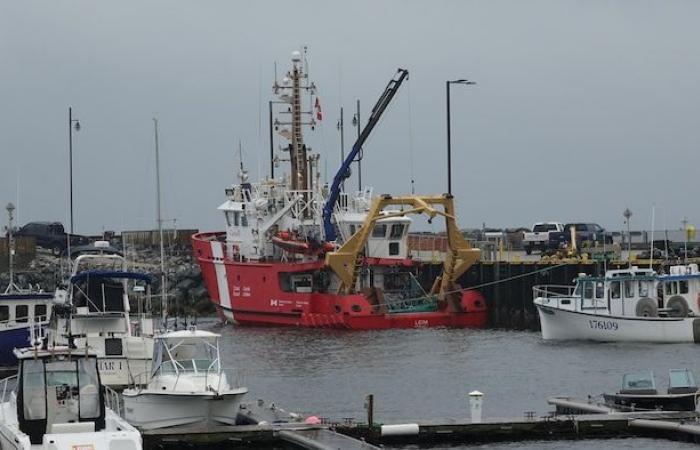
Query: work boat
point(631, 304)
point(299, 253)
point(188, 385)
point(94, 311)
point(57, 402)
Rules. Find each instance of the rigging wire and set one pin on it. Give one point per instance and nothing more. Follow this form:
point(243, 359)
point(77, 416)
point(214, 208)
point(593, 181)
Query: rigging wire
point(410, 139)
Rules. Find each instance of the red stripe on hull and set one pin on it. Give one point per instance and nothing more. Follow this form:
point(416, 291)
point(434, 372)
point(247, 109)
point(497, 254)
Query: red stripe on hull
point(257, 298)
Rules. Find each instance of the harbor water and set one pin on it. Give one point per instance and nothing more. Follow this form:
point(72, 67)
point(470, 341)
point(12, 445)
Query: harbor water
point(427, 373)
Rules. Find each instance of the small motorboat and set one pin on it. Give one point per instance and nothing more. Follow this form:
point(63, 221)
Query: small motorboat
point(188, 385)
point(639, 392)
point(58, 403)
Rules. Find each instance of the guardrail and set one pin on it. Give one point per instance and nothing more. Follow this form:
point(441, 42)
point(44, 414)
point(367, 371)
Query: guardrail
point(553, 292)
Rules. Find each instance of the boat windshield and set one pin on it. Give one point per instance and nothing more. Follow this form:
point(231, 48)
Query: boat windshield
point(61, 391)
point(638, 380)
point(682, 378)
point(188, 355)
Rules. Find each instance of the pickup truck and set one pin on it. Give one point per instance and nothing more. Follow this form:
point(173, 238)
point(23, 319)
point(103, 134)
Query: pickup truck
point(51, 235)
point(539, 236)
point(590, 233)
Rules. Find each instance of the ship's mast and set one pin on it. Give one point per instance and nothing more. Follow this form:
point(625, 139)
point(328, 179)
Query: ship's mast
point(300, 170)
point(159, 219)
point(290, 91)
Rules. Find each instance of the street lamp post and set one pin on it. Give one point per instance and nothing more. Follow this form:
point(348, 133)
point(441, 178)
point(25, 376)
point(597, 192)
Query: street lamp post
point(72, 124)
point(627, 214)
point(449, 137)
point(10, 248)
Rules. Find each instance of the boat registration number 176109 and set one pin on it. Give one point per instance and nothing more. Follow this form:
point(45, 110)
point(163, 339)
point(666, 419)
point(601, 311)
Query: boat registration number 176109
point(603, 325)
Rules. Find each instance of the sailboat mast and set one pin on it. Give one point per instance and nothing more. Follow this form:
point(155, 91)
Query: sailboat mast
point(159, 219)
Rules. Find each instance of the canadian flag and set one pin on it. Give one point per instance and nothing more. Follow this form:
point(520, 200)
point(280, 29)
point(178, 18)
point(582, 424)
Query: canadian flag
point(317, 107)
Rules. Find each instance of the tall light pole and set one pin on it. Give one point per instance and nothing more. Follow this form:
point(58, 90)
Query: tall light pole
point(11, 249)
point(627, 214)
point(73, 124)
point(449, 137)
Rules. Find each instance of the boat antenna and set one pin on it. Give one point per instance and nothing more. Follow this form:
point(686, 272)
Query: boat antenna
point(159, 220)
point(651, 250)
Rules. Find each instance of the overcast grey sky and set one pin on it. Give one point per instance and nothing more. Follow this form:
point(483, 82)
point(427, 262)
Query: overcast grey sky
point(581, 109)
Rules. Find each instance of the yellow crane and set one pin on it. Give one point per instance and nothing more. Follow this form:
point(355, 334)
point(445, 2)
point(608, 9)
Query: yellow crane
point(347, 260)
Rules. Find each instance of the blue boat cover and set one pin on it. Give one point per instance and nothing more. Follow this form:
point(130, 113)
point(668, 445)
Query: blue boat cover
point(110, 274)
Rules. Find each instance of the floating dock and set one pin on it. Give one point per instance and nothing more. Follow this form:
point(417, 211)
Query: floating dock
point(265, 426)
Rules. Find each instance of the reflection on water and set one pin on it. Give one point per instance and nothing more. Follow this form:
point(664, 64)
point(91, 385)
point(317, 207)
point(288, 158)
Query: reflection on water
point(427, 373)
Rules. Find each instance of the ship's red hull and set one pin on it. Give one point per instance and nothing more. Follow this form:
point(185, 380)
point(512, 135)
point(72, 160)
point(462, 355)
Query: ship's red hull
point(251, 293)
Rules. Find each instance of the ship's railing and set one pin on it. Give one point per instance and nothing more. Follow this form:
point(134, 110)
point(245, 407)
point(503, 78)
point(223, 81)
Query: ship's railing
point(113, 401)
point(7, 386)
point(211, 375)
point(311, 203)
point(554, 293)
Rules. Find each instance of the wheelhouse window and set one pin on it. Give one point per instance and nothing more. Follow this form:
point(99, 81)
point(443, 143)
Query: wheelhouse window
point(39, 311)
point(599, 290)
point(643, 289)
point(615, 289)
point(4, 313)
point(671, 288)
point(352, 229)
point(22, 313)
point(379, 231)
point(683, 286)
point(588, 290)
point(393, 248)
point(397, 230)
point(629, 289)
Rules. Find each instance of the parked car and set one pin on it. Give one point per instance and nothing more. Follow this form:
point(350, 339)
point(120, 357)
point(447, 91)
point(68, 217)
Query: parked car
point(586, 234)
point(51, 235)
point(538, 238)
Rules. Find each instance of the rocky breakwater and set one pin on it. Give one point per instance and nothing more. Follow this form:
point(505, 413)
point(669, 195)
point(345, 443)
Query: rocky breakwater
point(185, 287)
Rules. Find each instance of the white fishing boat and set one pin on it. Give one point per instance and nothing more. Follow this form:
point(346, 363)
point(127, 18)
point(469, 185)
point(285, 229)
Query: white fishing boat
point(94, 312)
point(58, 403)
point(188, 385)
point(633, 304)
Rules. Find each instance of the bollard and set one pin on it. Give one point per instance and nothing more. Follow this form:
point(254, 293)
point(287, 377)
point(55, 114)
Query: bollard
point(476, 400)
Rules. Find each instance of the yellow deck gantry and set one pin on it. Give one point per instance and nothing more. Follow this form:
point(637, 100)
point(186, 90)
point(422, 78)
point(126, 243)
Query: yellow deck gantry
point(347, 260)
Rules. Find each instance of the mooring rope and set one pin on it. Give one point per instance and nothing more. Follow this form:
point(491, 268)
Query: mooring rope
point(490, 283)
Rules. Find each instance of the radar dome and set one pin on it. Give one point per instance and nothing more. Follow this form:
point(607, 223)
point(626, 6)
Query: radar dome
point(296, 56)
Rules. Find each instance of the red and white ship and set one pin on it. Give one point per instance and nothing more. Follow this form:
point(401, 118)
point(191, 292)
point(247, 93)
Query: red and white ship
point(297, 252)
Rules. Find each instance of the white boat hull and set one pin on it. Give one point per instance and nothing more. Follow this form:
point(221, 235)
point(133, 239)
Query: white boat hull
point(118, 434)
point(149, 410)
point(562, 324)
